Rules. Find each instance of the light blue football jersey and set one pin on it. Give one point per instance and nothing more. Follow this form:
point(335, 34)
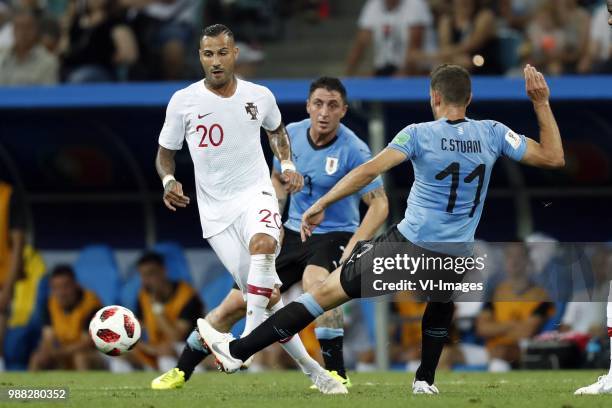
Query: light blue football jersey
point(322, 167)
point(452, 163)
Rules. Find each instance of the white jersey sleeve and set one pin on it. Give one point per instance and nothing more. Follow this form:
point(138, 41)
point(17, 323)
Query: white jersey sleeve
point(172, 134)
point(272, 118)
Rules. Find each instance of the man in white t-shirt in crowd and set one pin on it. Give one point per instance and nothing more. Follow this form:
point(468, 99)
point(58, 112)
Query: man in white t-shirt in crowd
point(599, 58)
point(220, 119)
point(397, 29)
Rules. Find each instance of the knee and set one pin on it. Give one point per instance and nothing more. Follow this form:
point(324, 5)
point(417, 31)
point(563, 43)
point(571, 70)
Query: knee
point(262, 244)
point(313, 277)
point(275, 297)
point(224, 316)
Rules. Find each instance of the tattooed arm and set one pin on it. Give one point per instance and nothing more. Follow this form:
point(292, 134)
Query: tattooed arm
point(279, 143)
point(378, 209)
point(281, 194)
point(173, 190)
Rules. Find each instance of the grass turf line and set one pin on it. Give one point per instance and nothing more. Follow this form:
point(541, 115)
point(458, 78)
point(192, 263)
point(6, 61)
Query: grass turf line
point(520, 389)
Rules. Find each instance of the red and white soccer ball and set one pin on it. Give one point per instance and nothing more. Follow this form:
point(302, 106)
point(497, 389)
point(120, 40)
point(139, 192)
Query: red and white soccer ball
point(114, 330)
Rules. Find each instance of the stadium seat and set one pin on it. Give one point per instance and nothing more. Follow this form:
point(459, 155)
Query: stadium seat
point(368, 311)
point(128, 296)
point(176, 263)
point(215, 291)
point(96, 269)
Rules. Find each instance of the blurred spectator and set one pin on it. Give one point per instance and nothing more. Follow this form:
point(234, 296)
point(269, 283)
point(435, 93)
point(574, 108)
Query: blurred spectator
point(168, 311)
point(517, 311)
point(27, 62)
point(586, 312)
point(397, 30)
point(166, 35)
point(6, 27)
point(468, 37)
point(407, 331)
point(255, 20)
point(518, 13)
point(50, 34)
point(248, 60)
point(97, 42)
point(12, 242)
point(65, 342)
point(558, 37)
point(599, 58)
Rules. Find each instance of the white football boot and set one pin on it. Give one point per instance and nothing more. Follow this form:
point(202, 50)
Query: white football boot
point(325, 383)
point(421, 387)
point(602, 386)
point(218, 344)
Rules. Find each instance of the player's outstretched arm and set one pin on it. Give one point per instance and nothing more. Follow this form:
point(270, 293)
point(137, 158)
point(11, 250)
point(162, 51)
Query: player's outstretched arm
point(354, 181)
point(378, 210)
point(281, 147)
point(549, 151)
point(173, 190)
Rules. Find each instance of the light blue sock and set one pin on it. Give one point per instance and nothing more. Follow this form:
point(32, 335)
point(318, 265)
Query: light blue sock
point(193, 341)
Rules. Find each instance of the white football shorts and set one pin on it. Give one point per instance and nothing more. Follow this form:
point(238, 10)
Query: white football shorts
point(261, 216)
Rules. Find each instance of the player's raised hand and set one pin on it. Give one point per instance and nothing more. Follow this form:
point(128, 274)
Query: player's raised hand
point(536, 86)
point(311, 219)
point(173, 195)
point(293, 181)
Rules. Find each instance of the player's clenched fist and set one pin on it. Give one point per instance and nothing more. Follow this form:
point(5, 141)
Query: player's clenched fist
point(536, 86)
point(292, 181)
point(173, 195)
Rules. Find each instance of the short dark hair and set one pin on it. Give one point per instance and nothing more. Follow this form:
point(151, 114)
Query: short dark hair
point(151, 257)
point(217, 29)
point(329, 83)
point(453, 82)
point(63, 270)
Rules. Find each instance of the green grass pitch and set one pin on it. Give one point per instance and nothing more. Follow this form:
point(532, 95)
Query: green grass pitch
point(520, 389)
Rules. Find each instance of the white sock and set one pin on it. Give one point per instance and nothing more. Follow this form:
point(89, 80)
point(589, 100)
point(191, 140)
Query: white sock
point(166, 363)
point(295, 348)
point(610, 333)
point(497, 365)
point(260, 282)
point(118, 365)
point(609, 318)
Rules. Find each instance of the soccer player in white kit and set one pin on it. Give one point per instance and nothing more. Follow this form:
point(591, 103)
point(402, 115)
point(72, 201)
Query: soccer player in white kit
point(220, 119)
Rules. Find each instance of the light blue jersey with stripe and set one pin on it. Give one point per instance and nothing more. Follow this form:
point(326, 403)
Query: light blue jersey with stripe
point(322, 167)
point(452, 163)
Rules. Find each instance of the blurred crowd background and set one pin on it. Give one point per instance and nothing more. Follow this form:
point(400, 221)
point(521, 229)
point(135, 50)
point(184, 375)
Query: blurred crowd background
point(80, 200)
point(75, 41)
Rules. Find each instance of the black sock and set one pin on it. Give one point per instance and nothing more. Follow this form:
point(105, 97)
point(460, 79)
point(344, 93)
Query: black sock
point(189, 359)
point(331, 350)
point(435, 327)
point(281, 325)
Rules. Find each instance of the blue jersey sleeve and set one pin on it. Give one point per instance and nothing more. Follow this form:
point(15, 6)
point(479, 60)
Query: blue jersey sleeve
point(405, 142)
point(511, 144)
point(362, 154)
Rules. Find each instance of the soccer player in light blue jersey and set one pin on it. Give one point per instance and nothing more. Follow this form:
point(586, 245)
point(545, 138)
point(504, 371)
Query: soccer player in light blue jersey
point(452, 159)
point(325, 151)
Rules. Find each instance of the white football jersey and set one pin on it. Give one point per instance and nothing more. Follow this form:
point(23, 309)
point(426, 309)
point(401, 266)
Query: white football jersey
point(223, 135)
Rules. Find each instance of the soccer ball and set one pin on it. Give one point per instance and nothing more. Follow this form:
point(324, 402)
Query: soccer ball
point(114, 330)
